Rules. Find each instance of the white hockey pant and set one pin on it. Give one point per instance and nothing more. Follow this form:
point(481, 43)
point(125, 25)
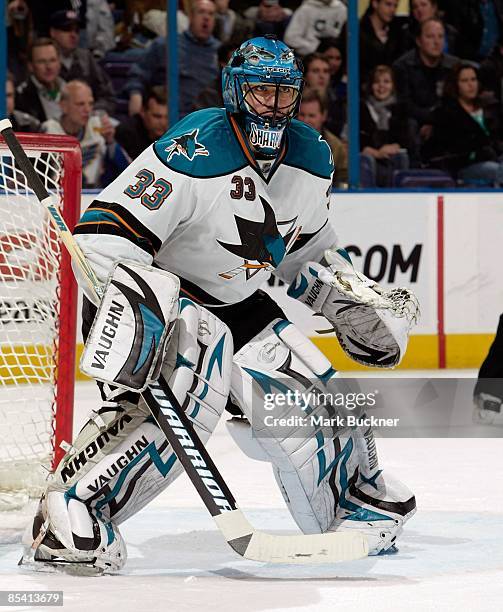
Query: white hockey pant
point(330, 479)
point(121, 460)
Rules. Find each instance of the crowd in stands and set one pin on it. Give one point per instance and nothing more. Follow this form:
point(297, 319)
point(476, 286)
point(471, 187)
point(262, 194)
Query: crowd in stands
point(431, 80)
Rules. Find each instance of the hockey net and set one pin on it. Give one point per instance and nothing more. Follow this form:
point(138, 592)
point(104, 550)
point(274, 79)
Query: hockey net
point(37, 317)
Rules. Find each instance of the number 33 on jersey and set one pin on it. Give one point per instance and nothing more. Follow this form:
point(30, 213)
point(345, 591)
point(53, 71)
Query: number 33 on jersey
point(199, 205)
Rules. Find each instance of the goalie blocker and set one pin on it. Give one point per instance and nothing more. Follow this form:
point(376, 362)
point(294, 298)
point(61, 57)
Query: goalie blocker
point(128, 338)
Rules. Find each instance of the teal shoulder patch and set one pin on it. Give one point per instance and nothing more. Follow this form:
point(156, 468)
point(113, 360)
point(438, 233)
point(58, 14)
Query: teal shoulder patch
point(202, 145)
point(308, 151)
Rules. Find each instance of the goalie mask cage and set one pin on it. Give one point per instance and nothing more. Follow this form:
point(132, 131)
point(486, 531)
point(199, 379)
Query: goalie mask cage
point(38, 302)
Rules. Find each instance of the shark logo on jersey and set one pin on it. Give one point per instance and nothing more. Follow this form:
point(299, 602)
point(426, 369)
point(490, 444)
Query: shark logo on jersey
point(262, 245)
point(186, 145)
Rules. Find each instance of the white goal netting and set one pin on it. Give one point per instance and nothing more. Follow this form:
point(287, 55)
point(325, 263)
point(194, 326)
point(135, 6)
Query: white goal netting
point(32, 347)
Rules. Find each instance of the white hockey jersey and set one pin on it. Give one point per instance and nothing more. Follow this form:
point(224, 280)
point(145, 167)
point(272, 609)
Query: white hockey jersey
point(197, 204)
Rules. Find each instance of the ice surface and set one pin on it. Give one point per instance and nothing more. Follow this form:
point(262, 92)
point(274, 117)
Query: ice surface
point(451, 553)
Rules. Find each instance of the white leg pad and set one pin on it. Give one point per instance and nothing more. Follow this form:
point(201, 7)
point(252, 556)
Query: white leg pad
point(121, 459)
point(329, 480)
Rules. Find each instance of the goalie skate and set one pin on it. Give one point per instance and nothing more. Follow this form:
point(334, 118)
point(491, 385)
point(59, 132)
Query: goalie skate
point(85, 545)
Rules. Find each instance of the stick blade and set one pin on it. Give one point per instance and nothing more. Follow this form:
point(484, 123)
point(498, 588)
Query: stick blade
point(307, 549)
point(256, 545)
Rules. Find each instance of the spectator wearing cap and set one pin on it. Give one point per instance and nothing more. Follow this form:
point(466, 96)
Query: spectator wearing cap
point(42, 11)
point(138, 132)
point(21, 122)
point(80, 63)
point(39, 95)
point(98, 30)
point(314, 20)
point(197, 55)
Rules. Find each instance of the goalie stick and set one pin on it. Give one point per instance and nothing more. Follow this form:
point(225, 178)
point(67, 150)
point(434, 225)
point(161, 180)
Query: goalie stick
point(247, 541)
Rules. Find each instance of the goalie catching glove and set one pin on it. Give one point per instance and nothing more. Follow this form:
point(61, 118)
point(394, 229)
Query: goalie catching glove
point(372, 324)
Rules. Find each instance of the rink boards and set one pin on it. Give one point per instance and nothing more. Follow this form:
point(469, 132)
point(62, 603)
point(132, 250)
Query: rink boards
point(446, 247)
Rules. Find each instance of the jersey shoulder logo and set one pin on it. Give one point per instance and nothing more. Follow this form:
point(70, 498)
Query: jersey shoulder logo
point(186, 145)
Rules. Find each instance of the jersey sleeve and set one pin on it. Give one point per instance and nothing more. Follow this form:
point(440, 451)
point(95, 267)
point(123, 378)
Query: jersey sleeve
point(308, 247)
point(135, 214)
point(311, 155)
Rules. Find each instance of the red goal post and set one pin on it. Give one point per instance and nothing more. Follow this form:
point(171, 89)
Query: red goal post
point(38, 302)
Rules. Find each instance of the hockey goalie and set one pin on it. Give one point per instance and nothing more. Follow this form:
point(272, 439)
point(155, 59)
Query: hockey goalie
point(187, 235)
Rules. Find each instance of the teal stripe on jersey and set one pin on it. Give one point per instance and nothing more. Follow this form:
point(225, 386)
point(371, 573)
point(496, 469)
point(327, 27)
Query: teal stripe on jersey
point(110, 218)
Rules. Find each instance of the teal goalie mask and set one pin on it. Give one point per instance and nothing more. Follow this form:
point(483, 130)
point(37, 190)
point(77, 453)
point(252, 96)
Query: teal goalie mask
point(262, 84)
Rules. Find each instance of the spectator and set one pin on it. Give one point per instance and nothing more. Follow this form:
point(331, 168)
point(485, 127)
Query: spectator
point(134, 10)
point(317, 76)
point(420, 11)
point(42, 11)
point(466, 136)
point(80, 63)
point(313, 111)
point(136, 133)
point(39, 95)
point(269, 17)
point(95, 16)
point(381, 38)
point(197, 55)
point(19, 36)
point(491, 72)
point(420, 74)
point(211, 95)
point(313, 21)
point(334, 52)
point(154, 24)
point(143, 20)
point(21, 122)
point(229, 25)
point(479, 24)
point(99, 33)
point(102, 157)
point(383, 127)
point(140, 34)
